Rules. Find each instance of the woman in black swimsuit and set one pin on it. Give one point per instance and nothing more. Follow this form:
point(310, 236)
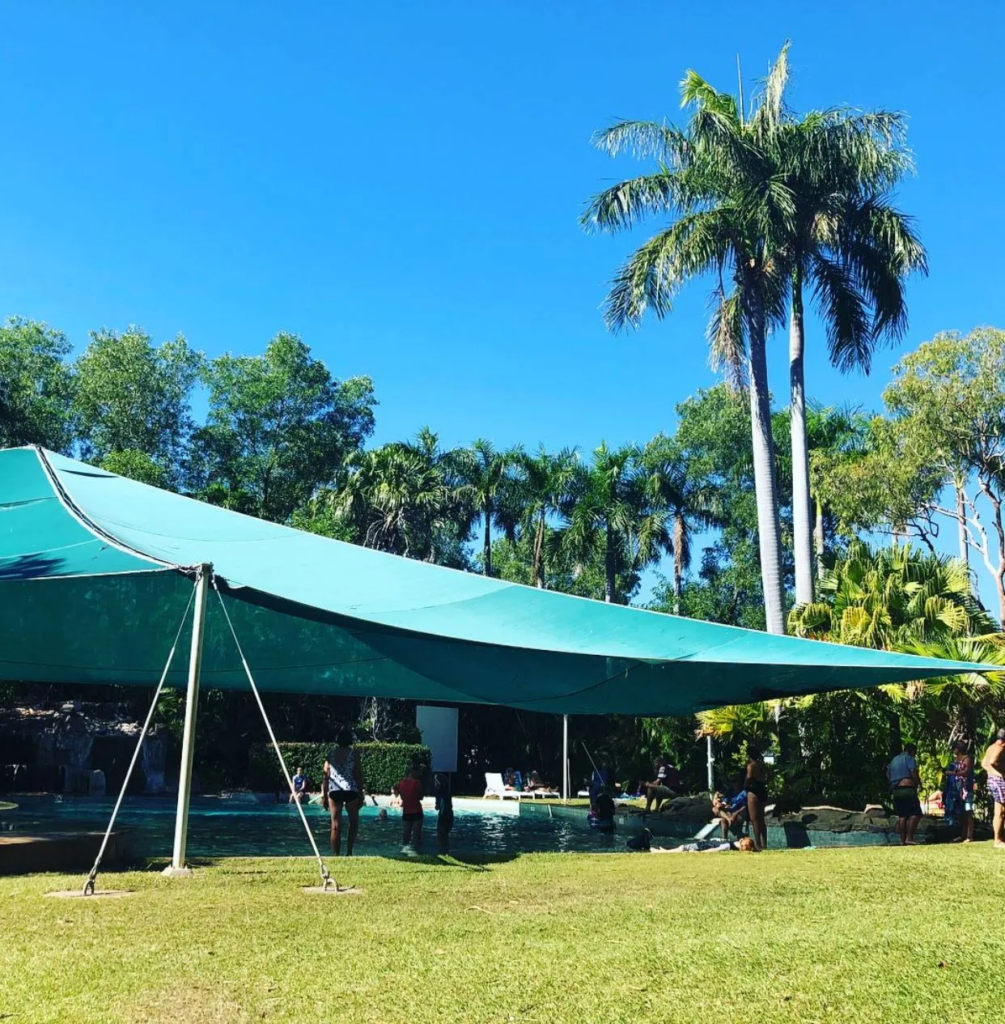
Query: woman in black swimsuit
point(343, 787)
point(757, 798)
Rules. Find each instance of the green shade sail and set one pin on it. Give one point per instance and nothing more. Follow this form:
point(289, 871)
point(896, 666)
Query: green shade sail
point(96, 572)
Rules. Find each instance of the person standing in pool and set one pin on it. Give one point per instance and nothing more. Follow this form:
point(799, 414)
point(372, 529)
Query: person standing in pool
point(444, 812)
point(756, 785)
point(410, 789)
point(343, 787)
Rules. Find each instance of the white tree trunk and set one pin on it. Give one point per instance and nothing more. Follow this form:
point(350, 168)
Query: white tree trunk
point(765, 483)
point(802, 521)
point(961, 526)
point(818, 537)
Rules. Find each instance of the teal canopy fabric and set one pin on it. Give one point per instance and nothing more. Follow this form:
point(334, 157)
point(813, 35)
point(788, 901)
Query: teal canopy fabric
point(96, 572)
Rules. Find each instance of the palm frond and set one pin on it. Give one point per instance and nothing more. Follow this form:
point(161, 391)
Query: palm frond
point(850, 336)
point(770, 103)
point(621, 206)
point(644, 140)
point(726, 347)
point(693, 245)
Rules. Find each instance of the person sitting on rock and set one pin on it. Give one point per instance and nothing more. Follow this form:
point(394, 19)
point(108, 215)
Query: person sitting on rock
point(663, 787)
point(731, 810)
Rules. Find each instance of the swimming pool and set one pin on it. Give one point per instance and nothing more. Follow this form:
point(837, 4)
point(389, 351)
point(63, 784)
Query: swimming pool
point(236, 828)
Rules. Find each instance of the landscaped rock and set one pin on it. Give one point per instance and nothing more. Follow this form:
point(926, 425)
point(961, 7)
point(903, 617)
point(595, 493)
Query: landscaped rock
point(687, 808)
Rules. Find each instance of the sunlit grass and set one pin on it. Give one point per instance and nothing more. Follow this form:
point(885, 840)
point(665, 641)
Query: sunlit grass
point(828, 935)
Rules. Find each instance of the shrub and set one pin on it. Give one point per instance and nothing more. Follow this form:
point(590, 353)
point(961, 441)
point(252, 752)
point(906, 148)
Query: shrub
point(382, 764)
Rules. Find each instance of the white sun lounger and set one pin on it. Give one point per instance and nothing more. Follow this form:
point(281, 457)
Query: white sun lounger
point(533, 794)
point(494, 786)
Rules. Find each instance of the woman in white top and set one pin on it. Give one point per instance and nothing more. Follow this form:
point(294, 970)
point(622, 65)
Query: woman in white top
point(343, 786)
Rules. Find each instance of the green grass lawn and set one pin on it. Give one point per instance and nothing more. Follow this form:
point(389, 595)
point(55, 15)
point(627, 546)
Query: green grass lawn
point(883, 934)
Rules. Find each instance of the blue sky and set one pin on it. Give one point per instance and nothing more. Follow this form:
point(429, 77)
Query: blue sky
point(401, 184)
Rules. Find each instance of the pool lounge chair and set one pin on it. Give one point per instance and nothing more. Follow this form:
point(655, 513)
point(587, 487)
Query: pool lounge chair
point(494, 786)
point(533, 794)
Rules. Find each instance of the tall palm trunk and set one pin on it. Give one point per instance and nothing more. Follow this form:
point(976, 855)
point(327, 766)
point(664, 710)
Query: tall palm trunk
point(802, 536)
point(678, 560)
point(538, 566)
point(765, 483)
point(818, 537)
point(608, 563)
point(487, 556)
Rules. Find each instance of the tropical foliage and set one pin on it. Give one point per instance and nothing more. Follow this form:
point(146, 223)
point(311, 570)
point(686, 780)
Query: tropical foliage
point(822, 519)
point(890, 598)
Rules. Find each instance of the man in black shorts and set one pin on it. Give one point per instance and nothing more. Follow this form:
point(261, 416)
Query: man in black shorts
point(904, 782)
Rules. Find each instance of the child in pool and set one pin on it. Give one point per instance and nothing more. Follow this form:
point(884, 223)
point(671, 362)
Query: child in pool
point(410, 789)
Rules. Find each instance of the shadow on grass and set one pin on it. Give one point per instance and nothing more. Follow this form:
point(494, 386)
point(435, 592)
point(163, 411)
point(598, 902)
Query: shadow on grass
point(474, 862)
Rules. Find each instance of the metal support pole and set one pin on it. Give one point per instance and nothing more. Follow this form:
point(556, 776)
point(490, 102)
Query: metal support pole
point(711, 761)
point(188, 737)
point(565, 757)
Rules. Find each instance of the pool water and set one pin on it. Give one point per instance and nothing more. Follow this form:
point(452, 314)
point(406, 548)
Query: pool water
point(232, 828)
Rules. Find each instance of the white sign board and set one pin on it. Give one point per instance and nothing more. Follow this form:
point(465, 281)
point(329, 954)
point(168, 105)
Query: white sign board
point(439, 732)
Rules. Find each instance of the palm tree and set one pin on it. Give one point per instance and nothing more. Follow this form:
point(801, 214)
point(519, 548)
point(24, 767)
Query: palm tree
point(903, 599)
point(486, 477)
point(399, 497)
point(852, 247)
point(756, 723)
point(547, 479)
point(731, 216)
point(892, 597)
point(603, 513)
point(961, 700)
point(677, 502)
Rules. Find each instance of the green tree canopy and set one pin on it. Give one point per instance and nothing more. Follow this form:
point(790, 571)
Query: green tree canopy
point(544, 489)
point(881, 476)
point(604, 514)
point(36, 386)
point(405, 498)
point(950, 396)
point(279, 426)
point(133, 395)
point(491, 490)
point(678, 501)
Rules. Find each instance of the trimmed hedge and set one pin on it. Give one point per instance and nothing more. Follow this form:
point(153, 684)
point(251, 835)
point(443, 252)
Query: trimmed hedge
point(382, 764)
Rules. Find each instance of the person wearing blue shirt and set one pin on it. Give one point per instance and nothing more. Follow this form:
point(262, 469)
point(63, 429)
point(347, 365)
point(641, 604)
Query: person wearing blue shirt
point(300, 784)
point(731, 811)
